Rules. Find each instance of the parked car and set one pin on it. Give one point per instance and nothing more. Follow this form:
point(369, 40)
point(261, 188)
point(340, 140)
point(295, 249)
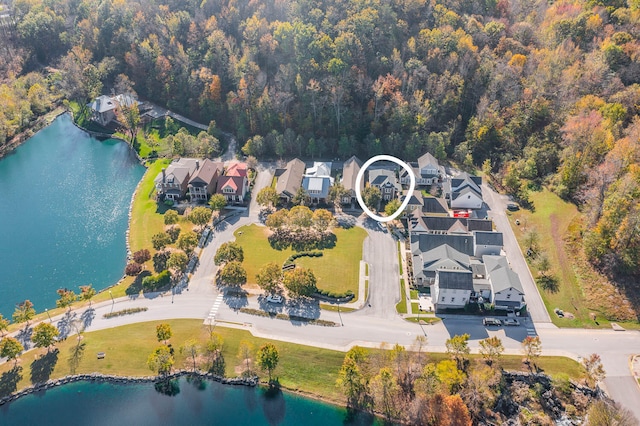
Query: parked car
point(382, 227)
point(511, 321)
point(491, 321)
point(274, 298)
point(513, 207)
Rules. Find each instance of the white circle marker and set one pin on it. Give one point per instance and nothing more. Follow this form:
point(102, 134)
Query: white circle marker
point(412, 186)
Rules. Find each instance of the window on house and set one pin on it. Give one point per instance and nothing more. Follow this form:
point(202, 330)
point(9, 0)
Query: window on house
point(464, 299)
point(508, 295)
point(443, 298)
point(228, 190)
point(453, 299)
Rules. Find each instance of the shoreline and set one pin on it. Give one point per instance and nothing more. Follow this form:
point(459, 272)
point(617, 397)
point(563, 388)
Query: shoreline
point(39, 124)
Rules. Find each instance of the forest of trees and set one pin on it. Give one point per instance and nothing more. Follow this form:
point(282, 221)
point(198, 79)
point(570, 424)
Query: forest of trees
point(538, 92)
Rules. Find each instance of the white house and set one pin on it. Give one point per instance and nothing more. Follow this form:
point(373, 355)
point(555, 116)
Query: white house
point(487, 243)
point(464, 192)
point(426, 171)
point(506, 288)
point(452, 289)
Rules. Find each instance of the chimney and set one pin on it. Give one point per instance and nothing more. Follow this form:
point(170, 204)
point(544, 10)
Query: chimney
point(197, 164)
point(164, 176)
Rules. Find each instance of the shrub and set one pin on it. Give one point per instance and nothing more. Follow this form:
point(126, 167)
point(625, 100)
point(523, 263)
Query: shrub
point(128, 311)
point(174, 232)
point(295, 256)
point(141, 256)
point(154, 282)
point(133, 269)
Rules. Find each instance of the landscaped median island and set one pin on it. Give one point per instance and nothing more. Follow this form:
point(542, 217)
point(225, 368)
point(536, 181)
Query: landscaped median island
point(336, 271)
point(565, 278)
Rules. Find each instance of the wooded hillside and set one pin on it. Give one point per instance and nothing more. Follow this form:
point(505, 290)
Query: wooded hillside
point(536, 92)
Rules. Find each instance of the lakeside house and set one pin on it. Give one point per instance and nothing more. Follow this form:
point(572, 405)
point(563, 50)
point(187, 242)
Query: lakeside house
point(426, 171)
point(203, 182)
point(289, 179)
point(234, 184)
point(350, 171)
point(105, 108)
point(386, 181)
point(317, 181)
point(192, 176)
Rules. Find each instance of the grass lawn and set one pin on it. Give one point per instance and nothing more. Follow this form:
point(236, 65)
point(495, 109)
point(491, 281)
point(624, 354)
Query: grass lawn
point(341, 261)
point(555, 221)
point(303, 368)
point(334, 308)
point(414, 294)
point(401, 306)
point(423, 318)
point(400, 257)
point(146, 215)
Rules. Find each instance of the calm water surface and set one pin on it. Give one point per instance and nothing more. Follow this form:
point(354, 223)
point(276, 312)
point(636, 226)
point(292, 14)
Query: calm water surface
point(64, 200)
point(204, 403)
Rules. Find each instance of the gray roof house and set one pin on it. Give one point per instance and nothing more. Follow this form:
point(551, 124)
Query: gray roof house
point(202, 183)
point(386, 181)
point(426, 171)
point(173, 182)
point(464, 191)
point(506, 288)
point(445, 257)
point(350, 171)
point(452, 289)
point(487, 243)
point(421, 243)
point(104, 108)
point(289, 179)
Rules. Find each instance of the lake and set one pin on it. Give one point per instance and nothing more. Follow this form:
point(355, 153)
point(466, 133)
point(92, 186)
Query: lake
point(64, 201)
point(202, 402)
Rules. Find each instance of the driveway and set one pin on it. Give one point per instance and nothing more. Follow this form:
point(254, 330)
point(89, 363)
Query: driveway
point(497, 212)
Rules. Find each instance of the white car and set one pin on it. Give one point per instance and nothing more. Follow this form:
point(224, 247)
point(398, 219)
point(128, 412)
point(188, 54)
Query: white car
point(382, 227)
point(511, 321)
point(274, 298)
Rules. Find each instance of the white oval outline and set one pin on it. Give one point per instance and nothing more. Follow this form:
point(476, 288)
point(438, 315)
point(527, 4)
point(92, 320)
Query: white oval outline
point(405, 203)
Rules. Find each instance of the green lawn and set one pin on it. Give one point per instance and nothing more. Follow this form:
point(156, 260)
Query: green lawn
point(146, 215)
point(554, 220)
point(342, 261)
point(303, 368)
point(401, 306)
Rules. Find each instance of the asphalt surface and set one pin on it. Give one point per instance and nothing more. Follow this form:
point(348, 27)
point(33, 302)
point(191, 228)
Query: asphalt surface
point(497, 212)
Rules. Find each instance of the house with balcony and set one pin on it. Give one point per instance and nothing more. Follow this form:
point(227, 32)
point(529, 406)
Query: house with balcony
point(289, 179)
point(426, 171)
point(203, 181)
point(172, 182)
point(234, 184)
point(386, 181)
point(317, 181)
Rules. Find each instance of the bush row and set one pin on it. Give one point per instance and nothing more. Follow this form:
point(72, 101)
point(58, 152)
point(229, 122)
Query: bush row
point(154, 282)
point(128, 311)
point(335, 295)
point(295, 256)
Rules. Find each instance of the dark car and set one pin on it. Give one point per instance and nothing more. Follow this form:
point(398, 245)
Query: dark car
point(513, 207)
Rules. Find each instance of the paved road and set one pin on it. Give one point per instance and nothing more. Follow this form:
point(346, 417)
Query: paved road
point(380, 252)
point(497, 212)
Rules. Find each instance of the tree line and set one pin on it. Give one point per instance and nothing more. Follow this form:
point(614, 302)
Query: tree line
point(537, 92)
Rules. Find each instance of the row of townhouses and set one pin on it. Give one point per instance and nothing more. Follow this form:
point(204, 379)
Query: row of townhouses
point(199, 179)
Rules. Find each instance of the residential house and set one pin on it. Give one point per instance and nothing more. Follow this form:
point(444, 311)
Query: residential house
point(172, 183)
point(289, 179)
point(452, 289)
point(423, 242)
point(447, 225)
point(234, 184)
point(487, 243)
point(104, 108)
point(416, 202)
point(426, 264)
point(434, 206)
point(350, 171)
point(506, 288)
point(426, 171)
point(202, 183)
point(316, 182)
point(386, 181)
point(464, 192)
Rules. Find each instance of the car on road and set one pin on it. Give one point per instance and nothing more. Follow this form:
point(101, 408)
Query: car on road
point(511, 321)
point(274, 298)
point(513, 207)
point(491, 321)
